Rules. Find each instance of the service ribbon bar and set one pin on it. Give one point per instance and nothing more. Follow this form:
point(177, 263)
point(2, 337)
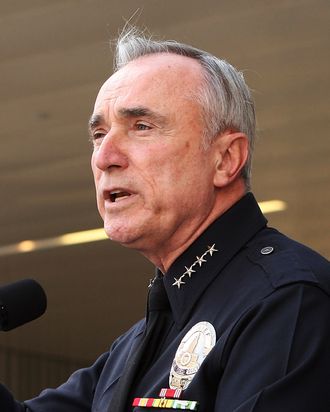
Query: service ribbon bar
point(170, 393)
point(166, 403)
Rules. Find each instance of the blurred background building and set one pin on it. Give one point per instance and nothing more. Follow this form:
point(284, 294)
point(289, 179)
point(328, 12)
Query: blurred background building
point(54, 57)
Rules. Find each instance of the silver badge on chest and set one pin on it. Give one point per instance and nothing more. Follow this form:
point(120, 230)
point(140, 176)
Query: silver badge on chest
point(191, 352)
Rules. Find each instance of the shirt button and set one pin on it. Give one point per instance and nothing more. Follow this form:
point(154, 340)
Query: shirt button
point(267, 250)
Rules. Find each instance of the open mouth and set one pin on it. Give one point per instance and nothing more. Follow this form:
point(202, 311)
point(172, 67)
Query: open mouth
point(117, 195)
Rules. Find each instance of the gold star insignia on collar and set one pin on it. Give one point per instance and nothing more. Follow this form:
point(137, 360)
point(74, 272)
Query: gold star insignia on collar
point(189, 270)
point(200, 260)
point(212, 249)
point(178, 282)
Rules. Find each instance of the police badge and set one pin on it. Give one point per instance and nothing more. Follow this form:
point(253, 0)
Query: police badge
point(191, 352)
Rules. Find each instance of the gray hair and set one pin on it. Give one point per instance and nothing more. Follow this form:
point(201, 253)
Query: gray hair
point(224, 97)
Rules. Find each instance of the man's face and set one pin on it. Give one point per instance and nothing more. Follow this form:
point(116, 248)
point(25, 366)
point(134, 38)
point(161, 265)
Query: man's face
point(153, 178)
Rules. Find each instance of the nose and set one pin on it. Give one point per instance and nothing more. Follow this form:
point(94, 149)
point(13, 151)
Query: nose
point(110, 153)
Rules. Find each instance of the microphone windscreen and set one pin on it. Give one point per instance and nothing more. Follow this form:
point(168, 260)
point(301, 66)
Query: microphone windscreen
point(21, 302)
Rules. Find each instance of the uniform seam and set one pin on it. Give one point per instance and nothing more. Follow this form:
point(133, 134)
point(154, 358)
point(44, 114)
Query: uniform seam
point(301, 293)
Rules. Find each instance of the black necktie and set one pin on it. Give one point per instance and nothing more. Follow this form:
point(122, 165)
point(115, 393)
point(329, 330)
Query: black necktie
point(156, 322)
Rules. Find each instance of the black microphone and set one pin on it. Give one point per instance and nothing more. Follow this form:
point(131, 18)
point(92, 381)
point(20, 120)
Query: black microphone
point(21, 302)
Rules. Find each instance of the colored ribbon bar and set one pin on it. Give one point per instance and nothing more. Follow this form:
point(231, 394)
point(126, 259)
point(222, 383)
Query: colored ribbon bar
point(166, 403)
point(170, 393)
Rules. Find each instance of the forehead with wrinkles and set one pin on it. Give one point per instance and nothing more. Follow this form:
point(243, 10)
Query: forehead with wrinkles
point(164, 75)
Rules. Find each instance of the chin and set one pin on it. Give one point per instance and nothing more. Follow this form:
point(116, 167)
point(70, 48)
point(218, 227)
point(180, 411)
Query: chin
point(122, 234)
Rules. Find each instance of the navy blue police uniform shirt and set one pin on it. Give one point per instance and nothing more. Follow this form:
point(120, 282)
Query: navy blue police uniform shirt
point(267, 298)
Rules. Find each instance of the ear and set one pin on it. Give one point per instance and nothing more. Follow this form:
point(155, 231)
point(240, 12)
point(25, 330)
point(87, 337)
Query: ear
point(231, 153)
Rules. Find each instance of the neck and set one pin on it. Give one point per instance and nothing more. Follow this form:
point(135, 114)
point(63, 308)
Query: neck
point(165, 254)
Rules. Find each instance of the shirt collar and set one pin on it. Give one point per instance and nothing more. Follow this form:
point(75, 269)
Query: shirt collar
point(192, 272)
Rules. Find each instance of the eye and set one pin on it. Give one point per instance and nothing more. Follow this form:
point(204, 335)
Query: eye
point(142, 126)
point(98, 135)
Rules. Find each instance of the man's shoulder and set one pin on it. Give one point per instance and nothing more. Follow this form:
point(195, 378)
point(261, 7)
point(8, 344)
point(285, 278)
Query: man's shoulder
point(286, 261)
point(130, 335)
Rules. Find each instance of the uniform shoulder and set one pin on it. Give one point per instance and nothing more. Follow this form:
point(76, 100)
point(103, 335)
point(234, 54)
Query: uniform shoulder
point(134, 331)
point(286, 261)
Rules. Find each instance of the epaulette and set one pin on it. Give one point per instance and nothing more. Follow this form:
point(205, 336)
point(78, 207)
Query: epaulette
point(281, 266)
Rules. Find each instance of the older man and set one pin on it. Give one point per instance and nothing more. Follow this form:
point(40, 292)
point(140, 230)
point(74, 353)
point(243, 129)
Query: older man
point(238, 314)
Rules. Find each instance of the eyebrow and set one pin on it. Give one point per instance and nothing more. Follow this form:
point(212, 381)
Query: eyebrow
point(127, 112)
point(141, 111)
point(95, 121)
